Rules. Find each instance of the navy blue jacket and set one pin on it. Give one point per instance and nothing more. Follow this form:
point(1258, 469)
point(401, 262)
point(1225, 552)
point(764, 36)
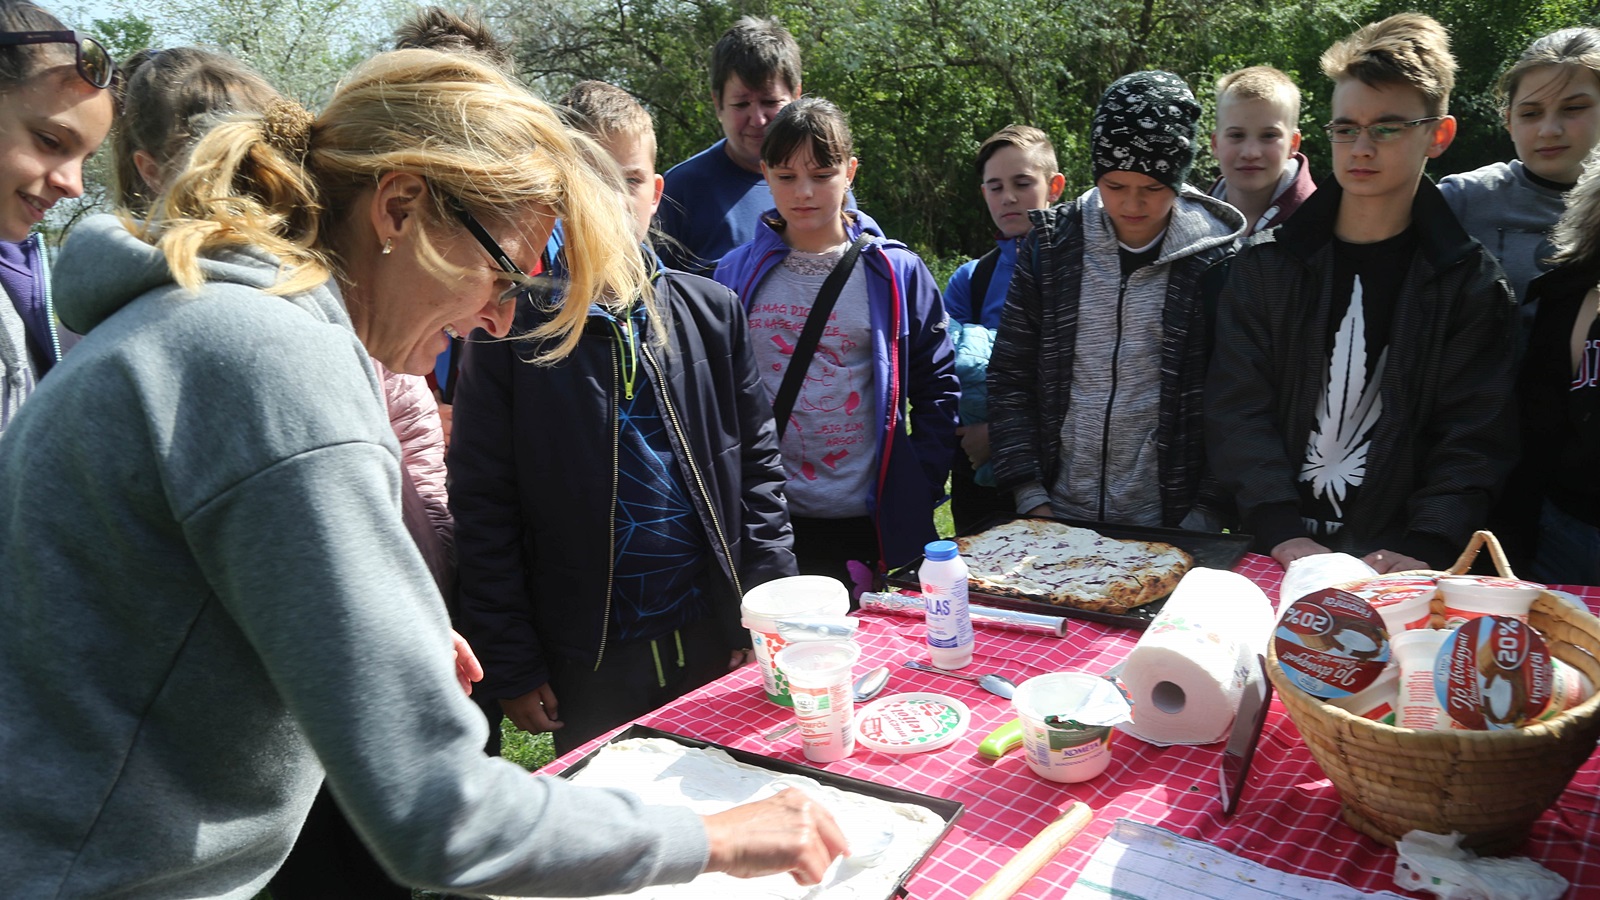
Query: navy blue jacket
point(533, 466)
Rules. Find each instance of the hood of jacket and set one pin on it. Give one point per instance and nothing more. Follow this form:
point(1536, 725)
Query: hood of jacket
point(103, 267)
point(1199, 223)
point(769, 234)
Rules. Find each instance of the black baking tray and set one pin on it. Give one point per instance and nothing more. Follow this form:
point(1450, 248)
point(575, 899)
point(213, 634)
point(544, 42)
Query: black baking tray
point(1213, 550)
point(948, 810)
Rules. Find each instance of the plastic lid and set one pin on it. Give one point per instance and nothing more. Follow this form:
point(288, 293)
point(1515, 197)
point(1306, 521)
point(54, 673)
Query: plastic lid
point(1332, 643)
point(939, 551)
point(912, 723)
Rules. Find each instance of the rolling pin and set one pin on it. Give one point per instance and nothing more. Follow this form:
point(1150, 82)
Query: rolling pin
point(1032, 857)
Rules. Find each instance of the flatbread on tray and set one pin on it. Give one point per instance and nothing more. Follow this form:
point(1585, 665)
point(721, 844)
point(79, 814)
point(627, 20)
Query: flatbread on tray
point(1064, 565)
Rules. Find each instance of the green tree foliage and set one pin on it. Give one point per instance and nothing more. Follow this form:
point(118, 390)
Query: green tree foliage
point(924, 81)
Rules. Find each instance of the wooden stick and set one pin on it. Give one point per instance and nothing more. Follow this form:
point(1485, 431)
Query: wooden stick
point(1032, 857)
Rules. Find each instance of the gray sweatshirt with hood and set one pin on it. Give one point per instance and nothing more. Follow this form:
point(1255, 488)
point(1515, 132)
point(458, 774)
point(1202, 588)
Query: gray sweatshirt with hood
point(210, 599)
point(1108, 438)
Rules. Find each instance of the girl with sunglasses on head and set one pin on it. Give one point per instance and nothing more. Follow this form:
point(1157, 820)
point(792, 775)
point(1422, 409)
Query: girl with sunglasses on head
point(54, 113)
point(214, 603)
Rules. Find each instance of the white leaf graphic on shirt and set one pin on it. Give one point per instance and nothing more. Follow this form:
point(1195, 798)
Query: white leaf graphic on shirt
point(1336, 456)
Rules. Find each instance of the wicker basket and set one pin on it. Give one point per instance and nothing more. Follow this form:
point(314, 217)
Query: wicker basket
point(1489, 785)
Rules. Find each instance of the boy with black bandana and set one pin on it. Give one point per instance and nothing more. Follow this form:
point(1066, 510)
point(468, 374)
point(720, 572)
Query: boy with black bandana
point(1097, 371)
point(1359, 394)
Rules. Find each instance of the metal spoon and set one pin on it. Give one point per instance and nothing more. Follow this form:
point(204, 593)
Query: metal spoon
point(993, 682)
point(866, 687)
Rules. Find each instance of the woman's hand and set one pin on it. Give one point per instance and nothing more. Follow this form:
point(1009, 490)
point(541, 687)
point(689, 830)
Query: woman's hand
point(787, 832)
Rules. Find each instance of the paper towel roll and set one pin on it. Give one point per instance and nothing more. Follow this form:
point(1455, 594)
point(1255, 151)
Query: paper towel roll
point(1190, 668)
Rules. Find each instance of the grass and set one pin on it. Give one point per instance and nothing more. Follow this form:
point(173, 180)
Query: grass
point(529, 751)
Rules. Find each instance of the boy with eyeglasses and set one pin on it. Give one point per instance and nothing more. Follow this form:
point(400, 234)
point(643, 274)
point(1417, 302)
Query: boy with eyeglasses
point(1358, 398)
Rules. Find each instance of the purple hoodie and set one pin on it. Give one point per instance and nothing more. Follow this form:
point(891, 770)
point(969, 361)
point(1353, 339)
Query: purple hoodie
point(914, 364)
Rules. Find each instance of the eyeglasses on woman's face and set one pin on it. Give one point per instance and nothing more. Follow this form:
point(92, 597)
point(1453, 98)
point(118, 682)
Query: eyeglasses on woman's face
point(522, 284)
point(93, 61)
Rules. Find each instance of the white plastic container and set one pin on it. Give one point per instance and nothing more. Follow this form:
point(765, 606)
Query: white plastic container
point(1468, 597)
point(1067, 754)
point(944, 591)
point(1378, 701)
point(1404, 609)
point(1418, 705)
point(798, 596)
point(819, 684)
point(1569, 687)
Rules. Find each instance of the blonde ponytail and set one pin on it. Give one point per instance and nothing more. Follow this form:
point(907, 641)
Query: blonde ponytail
point(478, 138)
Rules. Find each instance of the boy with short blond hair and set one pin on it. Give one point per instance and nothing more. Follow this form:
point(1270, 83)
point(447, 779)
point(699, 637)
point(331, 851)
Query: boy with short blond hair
point(1017, 173)
point(588, 614)
point(714, 198)
point(1359, 393)
point(1257, 145)
point(623, 128)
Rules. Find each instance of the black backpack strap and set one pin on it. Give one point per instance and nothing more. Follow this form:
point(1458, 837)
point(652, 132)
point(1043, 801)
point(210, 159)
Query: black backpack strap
point(982, 274)
point(811, 334)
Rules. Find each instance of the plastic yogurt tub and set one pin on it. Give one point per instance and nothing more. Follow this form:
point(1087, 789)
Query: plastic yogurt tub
point(1378, 701)
point(912, 723)
point(819, 683)
point(1403, 601)
point(1418, 703)
point(1494, 673)
point(1568, 688)
point(1468, 597)
point(1067, 752)
point(797, 596)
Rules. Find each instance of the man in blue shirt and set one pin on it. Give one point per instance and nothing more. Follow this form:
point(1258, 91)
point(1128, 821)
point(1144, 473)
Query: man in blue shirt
point(712, 200)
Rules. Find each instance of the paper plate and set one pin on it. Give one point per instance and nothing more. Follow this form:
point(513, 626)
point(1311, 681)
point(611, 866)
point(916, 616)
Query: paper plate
point(912, 723)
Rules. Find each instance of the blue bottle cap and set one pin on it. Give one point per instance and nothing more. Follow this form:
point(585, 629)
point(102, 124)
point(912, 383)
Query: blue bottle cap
point(939, 551)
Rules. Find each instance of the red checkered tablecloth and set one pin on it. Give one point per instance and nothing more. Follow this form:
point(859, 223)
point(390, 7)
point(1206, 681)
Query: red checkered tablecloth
point(1288, 818)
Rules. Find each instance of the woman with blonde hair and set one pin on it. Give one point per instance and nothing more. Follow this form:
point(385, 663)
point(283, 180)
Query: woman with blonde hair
point(213, 600)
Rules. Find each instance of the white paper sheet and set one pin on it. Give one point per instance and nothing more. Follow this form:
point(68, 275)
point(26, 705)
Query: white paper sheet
point(1138, 861)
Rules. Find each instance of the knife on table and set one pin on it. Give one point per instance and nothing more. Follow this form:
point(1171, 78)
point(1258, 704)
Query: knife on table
point(1241, 749)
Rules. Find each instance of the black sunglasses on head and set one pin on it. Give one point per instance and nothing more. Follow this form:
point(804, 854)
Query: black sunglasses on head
point(93, 61)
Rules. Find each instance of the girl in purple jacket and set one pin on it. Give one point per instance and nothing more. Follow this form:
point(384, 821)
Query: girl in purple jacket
point(862, 485)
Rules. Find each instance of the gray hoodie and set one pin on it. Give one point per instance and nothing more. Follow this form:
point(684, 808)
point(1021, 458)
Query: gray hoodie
point(1108, 438)
point(208, 591)
point(1511, 215)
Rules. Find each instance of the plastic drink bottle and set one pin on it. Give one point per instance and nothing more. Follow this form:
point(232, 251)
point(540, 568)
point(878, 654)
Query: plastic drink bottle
point(944, 591)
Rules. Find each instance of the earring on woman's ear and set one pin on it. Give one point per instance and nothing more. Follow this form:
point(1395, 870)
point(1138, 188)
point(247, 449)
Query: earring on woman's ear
point(388, 246)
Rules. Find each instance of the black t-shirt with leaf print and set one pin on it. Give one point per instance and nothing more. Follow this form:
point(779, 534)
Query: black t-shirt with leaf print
point(1367, 279)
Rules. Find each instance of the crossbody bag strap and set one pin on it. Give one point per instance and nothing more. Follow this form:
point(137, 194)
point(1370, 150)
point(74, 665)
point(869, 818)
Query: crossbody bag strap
point(811, 334)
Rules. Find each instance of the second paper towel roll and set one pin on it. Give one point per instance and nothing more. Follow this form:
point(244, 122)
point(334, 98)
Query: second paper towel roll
point(1187, 672)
